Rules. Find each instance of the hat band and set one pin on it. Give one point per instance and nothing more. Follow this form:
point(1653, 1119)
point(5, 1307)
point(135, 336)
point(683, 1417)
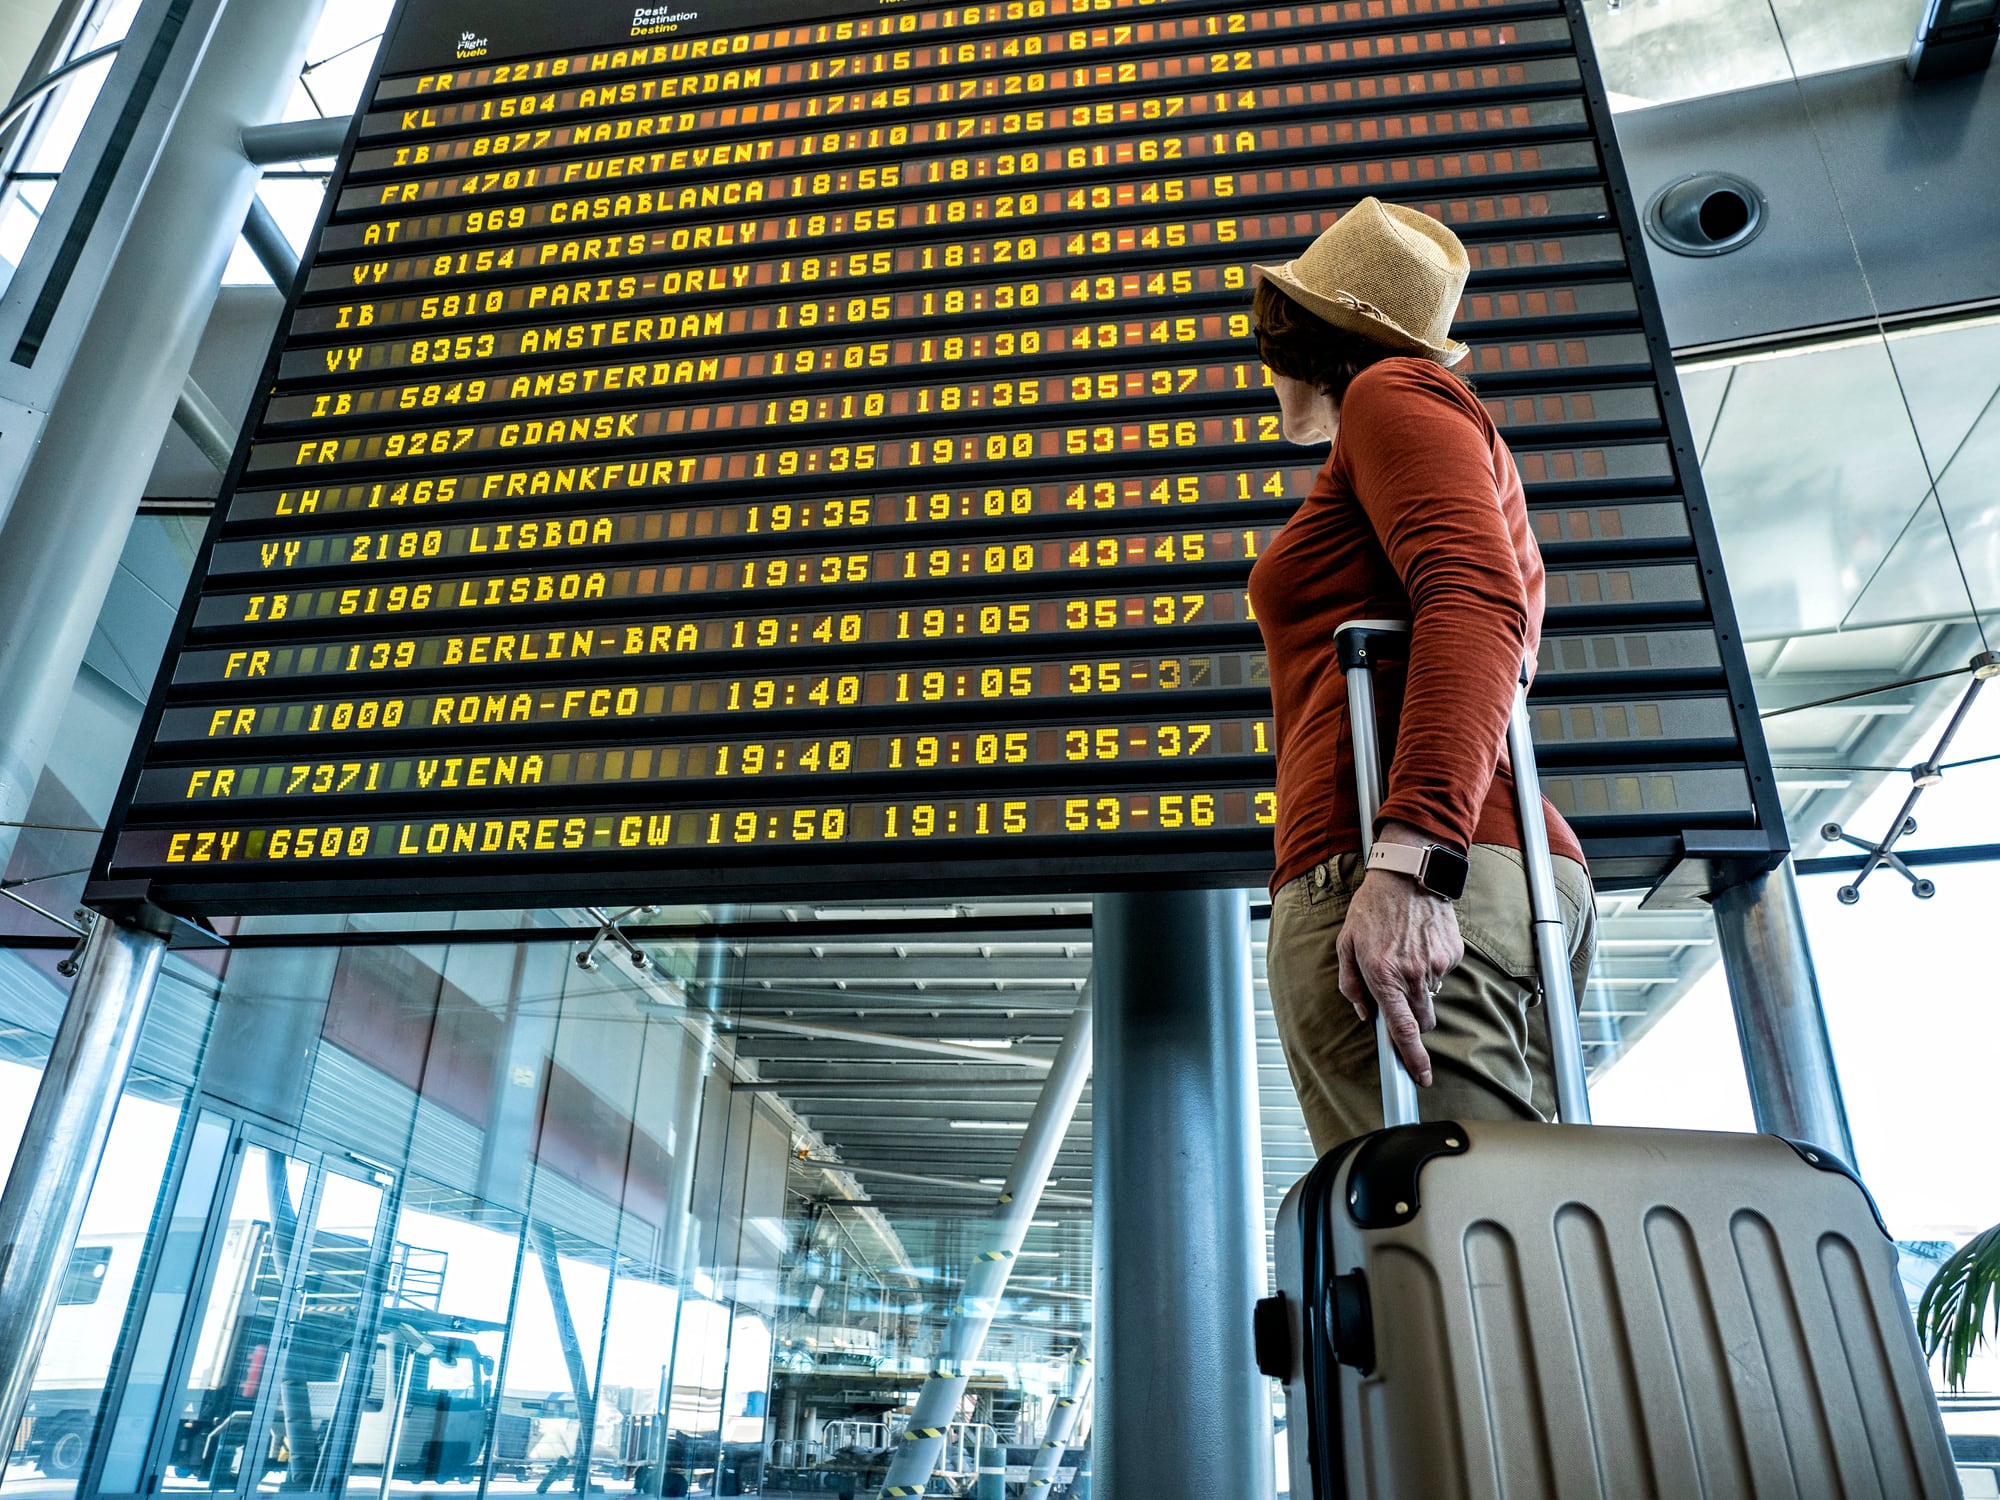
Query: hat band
point(1349, 300)
point(1368, 309)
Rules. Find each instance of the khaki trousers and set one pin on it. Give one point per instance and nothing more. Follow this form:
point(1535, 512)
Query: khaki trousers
point(1490, 1049)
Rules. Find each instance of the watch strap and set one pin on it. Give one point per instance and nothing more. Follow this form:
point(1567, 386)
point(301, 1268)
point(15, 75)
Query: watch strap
point(1400, 859)
point(1442, 876)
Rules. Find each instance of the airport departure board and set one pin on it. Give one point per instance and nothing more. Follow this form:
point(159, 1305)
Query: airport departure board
point(795, 449)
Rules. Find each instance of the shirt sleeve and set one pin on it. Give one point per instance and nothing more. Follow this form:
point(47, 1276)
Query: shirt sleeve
point(1422, 467)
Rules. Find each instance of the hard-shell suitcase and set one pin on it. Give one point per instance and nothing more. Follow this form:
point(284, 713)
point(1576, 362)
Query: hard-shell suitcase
point(1550, 1312)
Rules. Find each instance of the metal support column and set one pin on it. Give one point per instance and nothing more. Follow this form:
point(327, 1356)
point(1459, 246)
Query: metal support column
point(572, 1350)
point(1794, 1089)
point(1062, 1423)
point(682, 1244)
point(979, 1299)
point(82, 484)
point(991, 1481)
point(49, 1186)
point(202, 420)
point(295, 140)
point(267, 241)
point(1179, 1238)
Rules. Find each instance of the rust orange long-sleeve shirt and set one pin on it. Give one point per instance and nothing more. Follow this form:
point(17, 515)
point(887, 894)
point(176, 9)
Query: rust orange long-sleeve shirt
point(1418, 515)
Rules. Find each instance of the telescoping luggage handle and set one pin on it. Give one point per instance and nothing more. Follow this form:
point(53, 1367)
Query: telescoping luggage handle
point(1356, 644)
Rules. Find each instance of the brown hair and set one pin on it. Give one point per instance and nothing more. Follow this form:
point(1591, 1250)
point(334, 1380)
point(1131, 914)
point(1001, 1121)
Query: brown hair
point(1296, 342)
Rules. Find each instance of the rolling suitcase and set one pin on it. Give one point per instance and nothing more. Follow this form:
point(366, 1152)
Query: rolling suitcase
point(1551, 1312)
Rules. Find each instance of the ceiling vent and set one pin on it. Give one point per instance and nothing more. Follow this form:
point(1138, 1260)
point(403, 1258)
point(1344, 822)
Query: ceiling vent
point(1708, 213)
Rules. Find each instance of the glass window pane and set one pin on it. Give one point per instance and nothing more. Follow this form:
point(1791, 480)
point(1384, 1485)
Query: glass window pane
point(430, 1394)
point(173, 1281)
point(321, 1369)
point(1685, 1072)
point(552, 1373)
point(77, 1358)
point(1908, 987)
point(1658, 1030)
point(22, 205)
point(232, 1348)
point(338, 59)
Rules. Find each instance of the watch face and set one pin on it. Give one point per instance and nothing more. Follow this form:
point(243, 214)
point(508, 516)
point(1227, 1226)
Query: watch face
point(1445, 872)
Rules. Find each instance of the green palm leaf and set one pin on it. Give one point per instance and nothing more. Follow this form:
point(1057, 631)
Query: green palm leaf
point(1958, 1308)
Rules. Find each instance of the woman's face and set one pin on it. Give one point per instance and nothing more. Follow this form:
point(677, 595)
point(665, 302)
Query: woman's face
point(1306, 413)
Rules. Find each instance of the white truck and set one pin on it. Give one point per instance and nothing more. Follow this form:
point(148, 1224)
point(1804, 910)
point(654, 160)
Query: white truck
point(83, 1339)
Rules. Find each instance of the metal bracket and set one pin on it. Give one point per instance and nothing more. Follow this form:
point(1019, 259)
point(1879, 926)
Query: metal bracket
point(1711, 861)
point(1928, 773)
point(609, 931)
point(1883, 853)
point(71, 966)
point(130, 903)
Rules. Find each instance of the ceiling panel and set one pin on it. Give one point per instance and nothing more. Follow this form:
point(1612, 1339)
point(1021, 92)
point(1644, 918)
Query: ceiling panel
point(1812, 474)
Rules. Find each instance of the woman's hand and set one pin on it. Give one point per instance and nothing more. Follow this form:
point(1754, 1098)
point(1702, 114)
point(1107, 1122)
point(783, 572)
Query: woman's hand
point(1396, 946)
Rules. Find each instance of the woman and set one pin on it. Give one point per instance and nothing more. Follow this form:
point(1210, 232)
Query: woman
point(1418, 515)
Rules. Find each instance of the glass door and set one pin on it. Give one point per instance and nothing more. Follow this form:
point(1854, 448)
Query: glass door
point(273, 1365)
point(322, 1366)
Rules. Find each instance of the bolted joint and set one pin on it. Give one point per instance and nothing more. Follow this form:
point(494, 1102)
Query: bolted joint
point(1930, 773)
point(609, 931)
point(71, 966)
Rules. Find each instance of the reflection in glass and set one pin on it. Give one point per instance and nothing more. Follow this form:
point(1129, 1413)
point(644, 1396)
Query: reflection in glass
point(637, 1378)
point(610, 1272)
point(103, 1272)
point(430, 1400)
point(174, 1276)
point(227, 1376)
point(319, 1372)
point(552, 1359)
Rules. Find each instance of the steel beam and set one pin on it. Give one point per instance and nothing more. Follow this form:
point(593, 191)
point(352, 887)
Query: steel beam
point(934, 1105)
point(991, 1057)
point(979, 1300)
point(202, 420)
point(1062, 1422)
point(878, 1072)
point(267, 240)
point(295, 140)
point(134, 336)
point(572, 1351)
point(875, 968)
point(971, 1185)
point(41, 1209)
point(928, 1086)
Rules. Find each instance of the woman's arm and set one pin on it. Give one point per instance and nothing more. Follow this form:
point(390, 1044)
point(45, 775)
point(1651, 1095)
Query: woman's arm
point(1423, 470)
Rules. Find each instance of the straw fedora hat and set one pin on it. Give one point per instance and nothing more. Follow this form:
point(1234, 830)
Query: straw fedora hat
point(1385, 272)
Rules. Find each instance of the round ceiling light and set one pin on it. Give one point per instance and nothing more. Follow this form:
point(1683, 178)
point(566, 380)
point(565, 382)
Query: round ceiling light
point(1705, 213)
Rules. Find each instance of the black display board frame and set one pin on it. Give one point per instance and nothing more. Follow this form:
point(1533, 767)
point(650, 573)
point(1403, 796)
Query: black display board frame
point(421, 35)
